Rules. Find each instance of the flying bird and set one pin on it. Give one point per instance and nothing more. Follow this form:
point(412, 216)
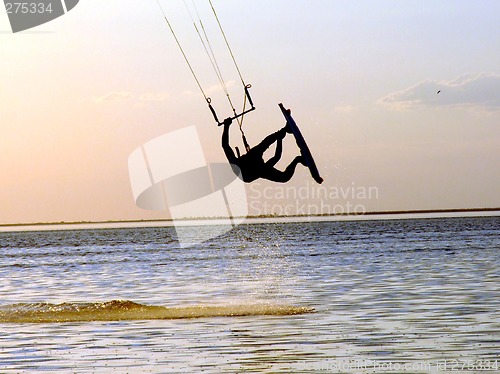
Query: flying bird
point(438, 92)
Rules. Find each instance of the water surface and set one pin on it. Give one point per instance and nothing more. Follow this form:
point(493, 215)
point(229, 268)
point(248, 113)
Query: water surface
point(284, 297)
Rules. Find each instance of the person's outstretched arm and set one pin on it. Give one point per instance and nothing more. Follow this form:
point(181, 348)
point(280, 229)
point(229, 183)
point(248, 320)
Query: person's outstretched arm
point(225, 142)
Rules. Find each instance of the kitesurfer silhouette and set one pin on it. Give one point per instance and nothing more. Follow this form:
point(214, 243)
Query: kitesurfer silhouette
point(252, 165)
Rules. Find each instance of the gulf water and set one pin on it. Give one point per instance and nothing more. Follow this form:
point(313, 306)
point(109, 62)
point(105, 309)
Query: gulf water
point(410, 295)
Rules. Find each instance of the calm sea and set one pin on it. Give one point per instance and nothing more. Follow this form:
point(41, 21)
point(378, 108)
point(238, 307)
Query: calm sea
point(419, 295)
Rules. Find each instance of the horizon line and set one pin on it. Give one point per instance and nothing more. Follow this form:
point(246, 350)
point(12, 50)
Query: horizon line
point(372, 213)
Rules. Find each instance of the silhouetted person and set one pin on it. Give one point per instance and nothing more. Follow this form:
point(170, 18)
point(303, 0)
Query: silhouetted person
point(252, 165)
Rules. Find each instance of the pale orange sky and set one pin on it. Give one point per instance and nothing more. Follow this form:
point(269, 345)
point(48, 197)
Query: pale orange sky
point(80, 93)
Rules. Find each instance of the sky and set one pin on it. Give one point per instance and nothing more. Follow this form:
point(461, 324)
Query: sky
point(79, 94)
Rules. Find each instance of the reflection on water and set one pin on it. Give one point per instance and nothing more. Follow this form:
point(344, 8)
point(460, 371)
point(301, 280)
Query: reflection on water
point(421, 294)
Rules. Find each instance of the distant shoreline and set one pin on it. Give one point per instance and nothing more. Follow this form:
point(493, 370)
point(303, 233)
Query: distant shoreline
point(261, 218)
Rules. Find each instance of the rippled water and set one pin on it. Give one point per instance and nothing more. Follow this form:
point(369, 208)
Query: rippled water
point(388, 296)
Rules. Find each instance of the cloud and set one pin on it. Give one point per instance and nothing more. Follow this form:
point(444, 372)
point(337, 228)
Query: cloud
point(117, 96)
point(113, 97)
point(154, 96)
point(479, 91)
point(214, 89)
point(343, 109)
point(219, 87)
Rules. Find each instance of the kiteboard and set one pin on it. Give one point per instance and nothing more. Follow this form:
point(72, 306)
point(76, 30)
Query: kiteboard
point(304, 149)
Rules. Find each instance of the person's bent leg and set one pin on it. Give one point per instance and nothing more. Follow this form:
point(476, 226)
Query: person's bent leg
point(277, 154)
point(279, 176)
point(269, 140)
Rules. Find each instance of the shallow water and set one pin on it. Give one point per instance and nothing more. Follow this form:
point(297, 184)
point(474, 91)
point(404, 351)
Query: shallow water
point(388, 296)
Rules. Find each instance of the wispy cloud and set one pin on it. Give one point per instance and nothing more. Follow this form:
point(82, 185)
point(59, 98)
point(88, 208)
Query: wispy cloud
point(219, 87)
point(113, 96)
point(343, 109)
point(214, 89)
point(117, 96)
point(154, 96)
point(481, 91)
